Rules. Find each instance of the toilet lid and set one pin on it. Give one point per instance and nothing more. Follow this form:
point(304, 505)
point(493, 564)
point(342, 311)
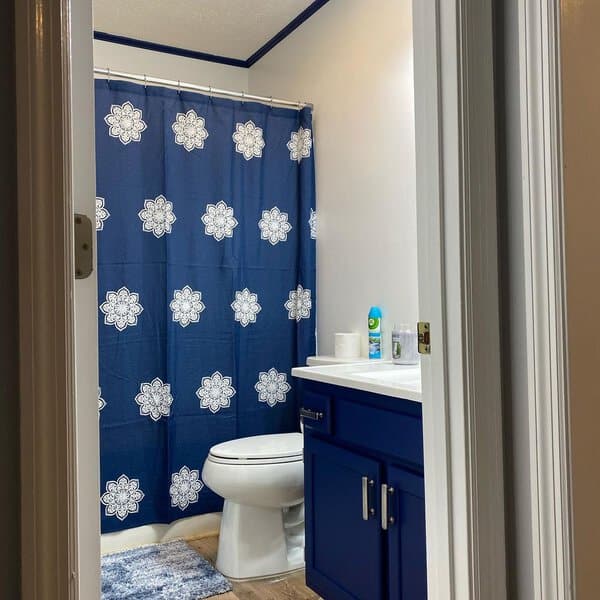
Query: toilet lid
point(261, 447)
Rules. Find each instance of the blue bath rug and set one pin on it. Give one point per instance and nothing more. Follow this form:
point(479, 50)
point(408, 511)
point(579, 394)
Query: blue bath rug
point(172, 571)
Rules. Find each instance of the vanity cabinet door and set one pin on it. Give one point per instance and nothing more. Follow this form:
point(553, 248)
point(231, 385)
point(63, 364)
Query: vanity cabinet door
point(406, 535)
point(344, 539)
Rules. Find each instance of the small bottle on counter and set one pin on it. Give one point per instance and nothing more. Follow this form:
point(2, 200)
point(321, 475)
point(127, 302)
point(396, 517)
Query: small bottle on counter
point(404, 346)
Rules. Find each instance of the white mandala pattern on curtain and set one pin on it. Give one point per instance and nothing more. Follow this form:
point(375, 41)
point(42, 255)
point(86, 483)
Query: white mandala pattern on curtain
point(157, 216)
point(121, 308)
point(186, 306)
point(189, 130)
point(272, 387)
point(274, 226)
point(248, 139)
point(219, 220)
point(125, 122)
point(215, 392)
point(246, 307)
point(185, 487)
point(300, 144)
point(155, 399)
point(299, 304)
point(312, 223)
point(190, 261)
point(101, 213)
point(122, 497)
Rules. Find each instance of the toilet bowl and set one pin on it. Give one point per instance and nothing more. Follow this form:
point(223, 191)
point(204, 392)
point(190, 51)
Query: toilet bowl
point(261, 479)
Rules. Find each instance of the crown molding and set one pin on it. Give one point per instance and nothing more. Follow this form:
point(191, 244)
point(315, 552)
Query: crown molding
point(308, 12)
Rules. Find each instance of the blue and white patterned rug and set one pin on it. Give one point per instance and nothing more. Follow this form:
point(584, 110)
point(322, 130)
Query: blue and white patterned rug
point(171, 571)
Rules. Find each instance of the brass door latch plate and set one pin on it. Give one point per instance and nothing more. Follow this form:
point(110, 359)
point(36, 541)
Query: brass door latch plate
point(423, 330)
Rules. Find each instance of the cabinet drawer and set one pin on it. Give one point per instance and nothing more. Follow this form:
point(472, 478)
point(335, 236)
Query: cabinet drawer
point(316, 411)
point(396, 434)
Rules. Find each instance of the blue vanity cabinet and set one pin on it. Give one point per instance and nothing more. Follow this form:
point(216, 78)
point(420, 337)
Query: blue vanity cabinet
point(407, 575)
point(364, 495)
point(344, 550)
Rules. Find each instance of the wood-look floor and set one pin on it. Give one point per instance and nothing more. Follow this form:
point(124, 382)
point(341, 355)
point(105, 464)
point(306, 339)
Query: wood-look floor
point(290, 587)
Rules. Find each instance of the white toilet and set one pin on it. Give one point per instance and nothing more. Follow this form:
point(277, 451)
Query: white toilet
point(261, 479)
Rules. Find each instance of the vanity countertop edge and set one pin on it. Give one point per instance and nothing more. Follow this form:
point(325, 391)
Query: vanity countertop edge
point(382, 377)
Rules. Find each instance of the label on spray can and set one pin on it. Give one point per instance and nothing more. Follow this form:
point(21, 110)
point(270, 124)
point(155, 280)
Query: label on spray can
point(375, 333)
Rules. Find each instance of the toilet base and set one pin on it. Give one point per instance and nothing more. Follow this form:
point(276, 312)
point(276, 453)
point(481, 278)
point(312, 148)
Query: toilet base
point(256, 542)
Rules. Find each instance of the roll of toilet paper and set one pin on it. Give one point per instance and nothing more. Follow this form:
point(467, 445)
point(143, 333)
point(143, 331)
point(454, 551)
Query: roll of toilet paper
point(347, 345)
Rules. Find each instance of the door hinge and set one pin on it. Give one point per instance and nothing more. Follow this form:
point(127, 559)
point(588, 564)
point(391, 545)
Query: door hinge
point(84, 259)
point(423, 329)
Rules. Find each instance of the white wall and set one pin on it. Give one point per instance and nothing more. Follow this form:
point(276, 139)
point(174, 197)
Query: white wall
point(355, 64)
point(158, 64)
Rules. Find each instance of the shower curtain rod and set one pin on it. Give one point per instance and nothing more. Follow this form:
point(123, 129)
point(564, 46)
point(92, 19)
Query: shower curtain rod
point(199, 88)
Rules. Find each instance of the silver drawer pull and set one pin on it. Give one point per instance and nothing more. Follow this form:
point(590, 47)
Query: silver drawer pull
point(385, 519)
point(367, 511)
point(313, 415)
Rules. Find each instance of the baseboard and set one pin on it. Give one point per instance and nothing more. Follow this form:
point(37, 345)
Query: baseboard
point(191, 527)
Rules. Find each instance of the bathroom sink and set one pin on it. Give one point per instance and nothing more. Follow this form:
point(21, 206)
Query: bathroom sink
point(400, 381)
point(404, 375)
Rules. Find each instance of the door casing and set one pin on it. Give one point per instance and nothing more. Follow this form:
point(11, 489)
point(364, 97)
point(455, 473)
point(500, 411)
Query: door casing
point(537, 377)
point(457, 289)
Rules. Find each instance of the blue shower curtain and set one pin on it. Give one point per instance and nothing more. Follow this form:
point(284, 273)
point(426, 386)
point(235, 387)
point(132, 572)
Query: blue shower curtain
point(205, 214)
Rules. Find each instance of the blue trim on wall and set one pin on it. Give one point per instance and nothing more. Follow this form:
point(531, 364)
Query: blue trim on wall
point(127, 41)
point(308, 12)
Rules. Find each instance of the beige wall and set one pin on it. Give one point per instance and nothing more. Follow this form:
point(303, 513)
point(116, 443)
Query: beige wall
point(159, 64)
point(581, 121)
point(355, 64)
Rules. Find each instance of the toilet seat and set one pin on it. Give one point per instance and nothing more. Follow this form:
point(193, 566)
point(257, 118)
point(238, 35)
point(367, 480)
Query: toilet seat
point(259, 450)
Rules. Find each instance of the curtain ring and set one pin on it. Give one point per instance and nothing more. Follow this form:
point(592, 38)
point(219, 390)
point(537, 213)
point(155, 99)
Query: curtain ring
point(179, 87)
point(271, 101)
point(107, 76)
point(145, 81)
point(243, 97)
point(210, 91)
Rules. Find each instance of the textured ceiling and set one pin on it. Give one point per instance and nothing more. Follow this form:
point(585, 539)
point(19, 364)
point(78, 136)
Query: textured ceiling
point(232, 28)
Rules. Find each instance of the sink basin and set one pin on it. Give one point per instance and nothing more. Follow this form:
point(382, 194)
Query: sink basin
point(401, 381)
point(390, 374)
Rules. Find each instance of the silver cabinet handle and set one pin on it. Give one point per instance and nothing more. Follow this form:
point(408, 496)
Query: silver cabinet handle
point(367, 512)
point(385, 519)
point(365, 498)
point(313, 415)
point(384, 506)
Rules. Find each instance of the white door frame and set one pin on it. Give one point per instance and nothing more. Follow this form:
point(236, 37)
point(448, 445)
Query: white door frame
point(458, 281)
point(543, 267)
point(60, 528)
point(458, 294)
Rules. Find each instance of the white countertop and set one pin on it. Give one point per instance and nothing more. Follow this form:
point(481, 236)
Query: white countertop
point(378, 377)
